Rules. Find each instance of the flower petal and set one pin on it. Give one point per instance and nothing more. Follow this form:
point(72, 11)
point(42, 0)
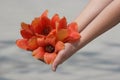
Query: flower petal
point(26, 34)
point(32, 43)
point(62, 23)
point(73, 26)
point(73, 36)
point(51, 38)
point(73, 32)
point(45, 21)
point(36, 25)
point(22, 43)
point(62, 34)
point(59, 46)
point(45, 13)
point(49, 57)
point(54, 19)
point(38, 53)
point(25, 26)
point(41, 41)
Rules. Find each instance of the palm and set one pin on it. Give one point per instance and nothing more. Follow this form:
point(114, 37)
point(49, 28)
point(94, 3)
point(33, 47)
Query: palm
point(63, 55)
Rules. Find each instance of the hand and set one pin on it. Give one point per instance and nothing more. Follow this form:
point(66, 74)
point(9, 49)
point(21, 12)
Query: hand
point(63, 55)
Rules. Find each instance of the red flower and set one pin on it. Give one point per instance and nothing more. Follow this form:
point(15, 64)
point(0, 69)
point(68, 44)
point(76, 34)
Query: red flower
point(46, 37)
point(47, 52)
point(28, 44)
point(40, 26)
point(69, 33)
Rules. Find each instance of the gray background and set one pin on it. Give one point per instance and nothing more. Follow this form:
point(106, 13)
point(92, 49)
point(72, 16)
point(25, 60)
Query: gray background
point(99, 60)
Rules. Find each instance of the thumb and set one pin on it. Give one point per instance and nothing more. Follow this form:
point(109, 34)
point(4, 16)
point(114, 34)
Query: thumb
point(57, 61)
point(54, 66)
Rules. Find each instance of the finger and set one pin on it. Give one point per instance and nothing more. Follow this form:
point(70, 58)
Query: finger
point(62, 56)
point(57, 61)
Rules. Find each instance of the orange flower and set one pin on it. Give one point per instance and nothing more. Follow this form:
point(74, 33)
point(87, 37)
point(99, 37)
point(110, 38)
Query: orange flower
point(27, 44)
point(45, 37)
point(49, 50)
point(40, 26)
point(69, 33)
point(73, 33)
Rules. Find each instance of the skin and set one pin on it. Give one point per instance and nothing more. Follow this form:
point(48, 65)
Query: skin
point(98, 17)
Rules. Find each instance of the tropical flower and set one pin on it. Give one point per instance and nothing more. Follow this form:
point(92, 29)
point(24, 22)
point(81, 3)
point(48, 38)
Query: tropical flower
point(27, 44)
point(48, 50)
point(69, 33)
point(45, 37)
point(40, 27)
point(54, 42)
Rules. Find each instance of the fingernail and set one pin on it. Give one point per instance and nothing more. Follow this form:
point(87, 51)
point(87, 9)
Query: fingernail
point(53, 69)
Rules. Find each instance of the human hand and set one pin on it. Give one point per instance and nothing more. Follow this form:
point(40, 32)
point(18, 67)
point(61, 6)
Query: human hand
point(63, 55)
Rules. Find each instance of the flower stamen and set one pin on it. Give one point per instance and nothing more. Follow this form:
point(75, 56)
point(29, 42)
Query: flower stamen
point(46, 31)
point(49, 48)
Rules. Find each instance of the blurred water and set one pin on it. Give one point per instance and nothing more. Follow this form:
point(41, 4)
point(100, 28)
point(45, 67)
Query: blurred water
point(97, 61)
